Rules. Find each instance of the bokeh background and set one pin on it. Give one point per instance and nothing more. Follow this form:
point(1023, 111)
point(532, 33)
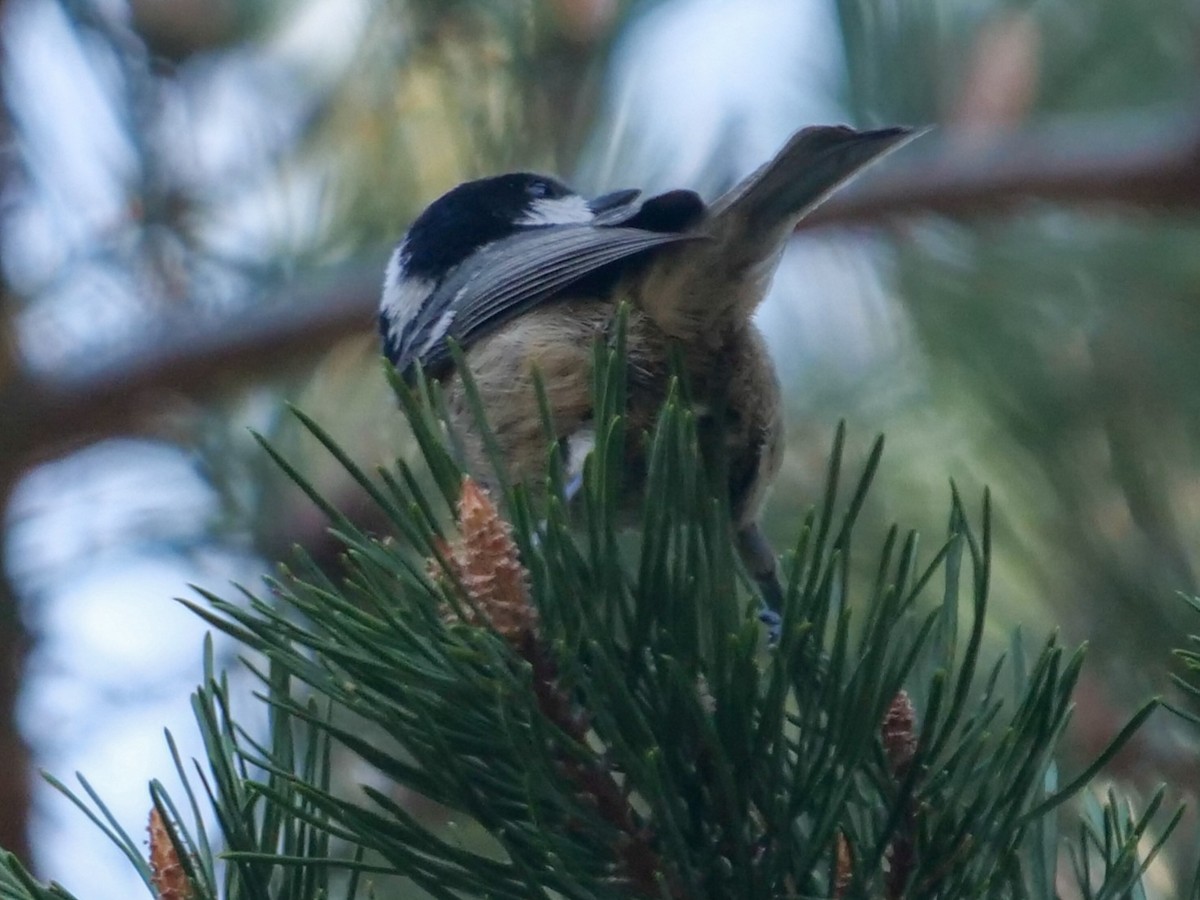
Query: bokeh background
point(197, 198)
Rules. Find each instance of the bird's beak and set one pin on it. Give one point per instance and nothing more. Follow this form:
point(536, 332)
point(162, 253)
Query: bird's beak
point(615, 200)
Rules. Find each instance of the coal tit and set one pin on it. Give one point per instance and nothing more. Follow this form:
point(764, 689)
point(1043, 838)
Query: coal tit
point(526, 275)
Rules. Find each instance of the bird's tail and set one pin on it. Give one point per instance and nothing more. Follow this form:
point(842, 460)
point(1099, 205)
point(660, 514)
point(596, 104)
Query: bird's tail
point(813, 164)
point(724, 278)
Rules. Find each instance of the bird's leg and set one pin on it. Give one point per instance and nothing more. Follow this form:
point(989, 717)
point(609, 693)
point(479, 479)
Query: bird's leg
point(759, 559)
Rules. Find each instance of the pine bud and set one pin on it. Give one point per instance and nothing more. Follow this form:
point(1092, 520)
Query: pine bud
point(166, 872)
point(843, 865)
point(899, 733)
point(485, 560)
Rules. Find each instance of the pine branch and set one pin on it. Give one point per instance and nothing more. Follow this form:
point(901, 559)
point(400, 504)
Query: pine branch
point(608, 716)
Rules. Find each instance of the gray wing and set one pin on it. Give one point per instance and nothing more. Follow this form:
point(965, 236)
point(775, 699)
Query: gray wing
point(511, 276)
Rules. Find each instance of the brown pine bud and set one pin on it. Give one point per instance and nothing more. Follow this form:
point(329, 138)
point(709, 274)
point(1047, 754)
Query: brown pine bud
point(899, 733)
point(485, 560)
point(166, 872)
point(843, 865)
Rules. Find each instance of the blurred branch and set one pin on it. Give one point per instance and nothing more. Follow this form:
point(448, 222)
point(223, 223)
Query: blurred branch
point(48, 414)
point(16, 770)
point(1127, 161)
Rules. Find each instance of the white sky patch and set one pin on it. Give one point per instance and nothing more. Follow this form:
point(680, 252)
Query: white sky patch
point(65, 515)
point(569, 210)
point(703, 91)
point(322, 37)
point(78, 160)
point(100, 543)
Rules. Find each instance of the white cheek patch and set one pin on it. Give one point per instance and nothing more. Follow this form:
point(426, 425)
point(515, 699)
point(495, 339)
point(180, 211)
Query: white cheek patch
point(569, 210)
point(392, 304)
point(402, 297)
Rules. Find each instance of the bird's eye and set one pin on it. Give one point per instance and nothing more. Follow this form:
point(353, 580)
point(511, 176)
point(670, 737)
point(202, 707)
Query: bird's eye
point(539, 189)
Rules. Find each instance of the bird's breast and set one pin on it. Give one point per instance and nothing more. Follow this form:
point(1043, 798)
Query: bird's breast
point(732, 386)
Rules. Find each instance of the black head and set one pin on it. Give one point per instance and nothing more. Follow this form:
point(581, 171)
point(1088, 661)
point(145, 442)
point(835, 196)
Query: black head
point(669, 212)
point(479, 212)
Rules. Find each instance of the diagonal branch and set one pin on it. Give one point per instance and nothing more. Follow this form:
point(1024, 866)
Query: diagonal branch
point(46, 414)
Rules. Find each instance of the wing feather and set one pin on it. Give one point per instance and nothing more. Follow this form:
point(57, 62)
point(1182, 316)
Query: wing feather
point(511, 276)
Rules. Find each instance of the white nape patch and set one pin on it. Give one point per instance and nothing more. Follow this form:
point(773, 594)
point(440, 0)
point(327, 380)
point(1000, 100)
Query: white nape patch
point(580, 443)
point(569, 210)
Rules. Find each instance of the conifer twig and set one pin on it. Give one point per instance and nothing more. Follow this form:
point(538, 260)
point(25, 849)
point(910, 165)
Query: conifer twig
point(486, 563)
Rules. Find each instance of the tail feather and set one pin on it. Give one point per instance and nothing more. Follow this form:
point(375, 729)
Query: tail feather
point(707, 287)
point(813, 164)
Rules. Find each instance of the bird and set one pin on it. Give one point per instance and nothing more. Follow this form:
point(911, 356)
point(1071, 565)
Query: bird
point(525, 275)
